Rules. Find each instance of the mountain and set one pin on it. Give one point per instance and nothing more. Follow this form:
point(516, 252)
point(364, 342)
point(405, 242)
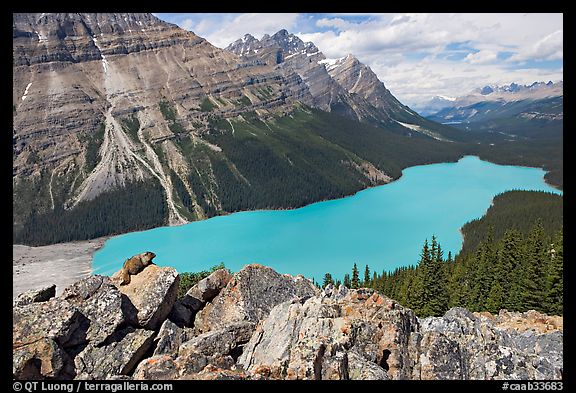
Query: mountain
point(436, 104)
point(125, 122)
point(259, 324)
point(510, 106)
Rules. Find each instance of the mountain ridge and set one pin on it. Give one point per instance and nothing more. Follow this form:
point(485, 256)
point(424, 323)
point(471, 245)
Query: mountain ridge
point(122, 103)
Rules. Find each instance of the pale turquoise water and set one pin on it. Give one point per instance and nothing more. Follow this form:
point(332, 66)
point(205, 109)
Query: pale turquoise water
point(383, 227)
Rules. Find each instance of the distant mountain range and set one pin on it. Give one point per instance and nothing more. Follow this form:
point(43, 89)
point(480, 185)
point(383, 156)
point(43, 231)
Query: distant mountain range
point(539, 100)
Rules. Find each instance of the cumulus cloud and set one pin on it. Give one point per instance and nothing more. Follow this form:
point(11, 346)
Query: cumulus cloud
point(481, 57)
point(549, 47)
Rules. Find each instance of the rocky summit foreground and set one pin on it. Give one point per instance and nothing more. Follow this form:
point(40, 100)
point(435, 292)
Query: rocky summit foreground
point(259, 324)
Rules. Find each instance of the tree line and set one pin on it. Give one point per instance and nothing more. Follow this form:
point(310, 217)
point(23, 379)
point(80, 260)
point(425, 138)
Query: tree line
point(518, 273)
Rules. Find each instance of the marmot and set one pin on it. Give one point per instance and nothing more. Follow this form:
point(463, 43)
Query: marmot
point(135, 265)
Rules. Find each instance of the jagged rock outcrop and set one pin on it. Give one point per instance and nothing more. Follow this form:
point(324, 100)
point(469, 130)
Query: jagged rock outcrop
point(250, 295)
point(34, 296)
point(266, 325)
point(153, 293)
point(460, 345)
point(333, 337)
point(197, 296)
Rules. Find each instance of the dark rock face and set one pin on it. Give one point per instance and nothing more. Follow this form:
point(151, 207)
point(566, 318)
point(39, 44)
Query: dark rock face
point(259, 324)
point(119, 357)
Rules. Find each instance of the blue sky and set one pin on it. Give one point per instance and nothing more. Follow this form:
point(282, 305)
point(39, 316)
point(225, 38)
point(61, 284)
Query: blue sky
point(417, 56)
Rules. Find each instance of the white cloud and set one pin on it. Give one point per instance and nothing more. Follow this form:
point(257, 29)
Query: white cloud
point(223, 29)
point(548, 48)
point(186, 24)
point(481, 57)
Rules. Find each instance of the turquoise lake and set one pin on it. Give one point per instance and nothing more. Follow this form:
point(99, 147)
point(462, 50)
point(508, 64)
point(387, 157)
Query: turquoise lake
point(384, 227)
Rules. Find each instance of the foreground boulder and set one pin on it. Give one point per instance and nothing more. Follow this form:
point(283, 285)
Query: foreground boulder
point(34, 296)
point(260, 324)
point(196, 298)
point(250, 295)
point(346, 335)
point(41, 333)
point(98, 299)
point(119, 357)
point(461, 345)
point(152, 292)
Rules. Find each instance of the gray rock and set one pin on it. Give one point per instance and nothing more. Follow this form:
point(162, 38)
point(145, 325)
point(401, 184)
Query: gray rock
point(180, 314)
point(314, 339)
point(119, 357)
point(152, 292)
point(170, 337)
point(40, 334)
point(460, 345)
point(34, 296)
point(219, 342)
point(250, 295)
point(99, 300)
point(157, 367)
point(207, 289)
point(204, 291)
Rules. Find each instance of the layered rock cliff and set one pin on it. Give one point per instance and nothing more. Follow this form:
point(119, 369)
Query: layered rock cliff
point(259, 324)
point(106, 106)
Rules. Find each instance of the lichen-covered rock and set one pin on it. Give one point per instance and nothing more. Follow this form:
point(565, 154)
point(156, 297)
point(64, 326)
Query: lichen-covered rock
point(314, 338)
point(119, 357)
point(157, 367)
point(204, 291)
point(219, 342)
point(170, 337)
point(250, 295)
point(153, 293)
point(207, 289)
point(461, 345)
point(43, 358)
point(99, 300)
point(34, 296)
point(40, 332)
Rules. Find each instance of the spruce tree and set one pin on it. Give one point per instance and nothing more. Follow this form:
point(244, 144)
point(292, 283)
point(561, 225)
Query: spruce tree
point(534, 278)
point(418, 296)
point(347, 283)
point(555, 279)
point(510, 267)
point(327, 280)
point(355, 283)
point(494, 301)
point(367, 281)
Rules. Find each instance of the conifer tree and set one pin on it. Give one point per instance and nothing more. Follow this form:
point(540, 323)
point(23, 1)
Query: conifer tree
point(510, 269)
point(366, 282)
point(347, 283)
point(555, 279)
point(327, 280)
point(534, 277)
point(355, 283)
point(494, 301)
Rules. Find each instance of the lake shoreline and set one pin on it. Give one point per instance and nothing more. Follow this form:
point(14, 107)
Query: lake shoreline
point(65, 263)
point(61, 264)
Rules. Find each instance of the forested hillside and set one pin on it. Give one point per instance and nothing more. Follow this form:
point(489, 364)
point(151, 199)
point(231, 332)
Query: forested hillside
point(513, 260)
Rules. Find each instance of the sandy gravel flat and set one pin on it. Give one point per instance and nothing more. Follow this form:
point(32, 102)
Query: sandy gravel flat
point(60, 264)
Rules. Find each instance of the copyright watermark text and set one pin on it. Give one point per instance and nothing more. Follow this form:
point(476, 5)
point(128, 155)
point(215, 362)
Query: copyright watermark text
point(532, 386)
point(84, 386)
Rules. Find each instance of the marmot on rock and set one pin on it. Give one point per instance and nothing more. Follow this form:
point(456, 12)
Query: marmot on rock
point(135, 265)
